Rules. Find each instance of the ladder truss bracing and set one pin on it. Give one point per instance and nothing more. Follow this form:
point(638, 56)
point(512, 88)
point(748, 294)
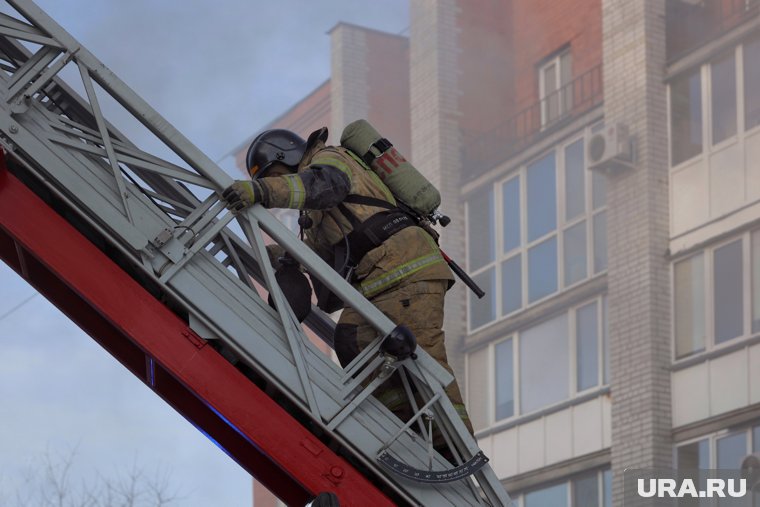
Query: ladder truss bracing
point(160, 216)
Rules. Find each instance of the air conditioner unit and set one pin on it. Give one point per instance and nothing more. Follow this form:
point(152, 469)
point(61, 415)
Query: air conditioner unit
point(609, 149)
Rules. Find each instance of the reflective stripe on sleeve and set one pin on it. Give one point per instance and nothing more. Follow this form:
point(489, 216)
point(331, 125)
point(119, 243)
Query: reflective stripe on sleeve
point(297, 191)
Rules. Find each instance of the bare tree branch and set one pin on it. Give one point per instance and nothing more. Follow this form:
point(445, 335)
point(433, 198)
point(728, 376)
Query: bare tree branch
point(49, 484)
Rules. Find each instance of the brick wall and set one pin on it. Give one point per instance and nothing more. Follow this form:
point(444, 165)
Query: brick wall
point(435, 115)
point(349, 71)
point(485, 63)
point(542, 27)
point(638, 273)
point(370, 76)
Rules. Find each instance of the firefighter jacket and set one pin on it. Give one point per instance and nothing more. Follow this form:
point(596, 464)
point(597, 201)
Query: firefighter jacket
point(325, 177)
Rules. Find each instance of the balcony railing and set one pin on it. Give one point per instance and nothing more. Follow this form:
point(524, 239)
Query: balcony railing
point(692, 23)
point(484, 150)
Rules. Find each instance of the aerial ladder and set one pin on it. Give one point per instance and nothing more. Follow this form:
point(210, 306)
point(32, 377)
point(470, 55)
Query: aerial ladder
point(137, 248)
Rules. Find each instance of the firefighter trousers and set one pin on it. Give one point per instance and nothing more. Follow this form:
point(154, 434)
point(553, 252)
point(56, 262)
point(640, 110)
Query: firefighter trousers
point(418, 306)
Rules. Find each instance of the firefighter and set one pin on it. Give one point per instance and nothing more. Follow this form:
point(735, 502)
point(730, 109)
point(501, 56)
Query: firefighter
point(392, 262)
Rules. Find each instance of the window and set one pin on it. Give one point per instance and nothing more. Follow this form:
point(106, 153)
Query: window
point(723, 81)
point(686, 117)
point(717, 296)
point(586, 490)
point(690, 306)
point(694, 456)
point(544, 365)
point(483, 311)
point(587, 346)
point(723, 110)
point(505, 399)
point(551, 234)
point(554, 495)
point(556, 97)
point(755, 256)
point(728, 291)
point(731, 450)
point(542, 269)
point(480, 229)
point(720, 451)
point(542, 197)
point(752, 84)
point(590, 489)
point(548, 363)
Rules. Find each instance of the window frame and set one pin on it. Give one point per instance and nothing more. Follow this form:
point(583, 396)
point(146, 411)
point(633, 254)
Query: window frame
point(712, 442)
point(709, 295)
point(562, 108)
point(602, 343)
point(569, 482)
point(705, 69)
point(562, 224)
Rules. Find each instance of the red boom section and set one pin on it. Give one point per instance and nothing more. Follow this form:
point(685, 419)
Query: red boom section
point(159, 348)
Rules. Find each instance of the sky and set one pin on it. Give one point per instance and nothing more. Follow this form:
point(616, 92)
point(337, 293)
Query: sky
point(218, 75)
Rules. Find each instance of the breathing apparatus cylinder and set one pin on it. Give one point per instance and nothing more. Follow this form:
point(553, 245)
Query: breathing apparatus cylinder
point(402, 178)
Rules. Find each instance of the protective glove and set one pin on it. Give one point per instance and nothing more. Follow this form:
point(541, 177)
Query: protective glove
point(295, 287)
point(242, 194)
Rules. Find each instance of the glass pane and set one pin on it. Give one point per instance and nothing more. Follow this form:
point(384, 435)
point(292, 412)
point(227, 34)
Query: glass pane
point(607, 488)
point(483, 311)
point(566, 70)
point(575, 253)
point(732, 450)
point(542, 197)
point(723, 76)
point(694, 456)
point(544, 364)
point(605, 342)
point(752, 84)
point(600, 242)
point(550, 78)
point(586, 491)
point(554, 496)
point(480, 228)
point(756, 439)
point(587, 346)
point(598, 189)
point(690, 306)
point(566, 75)
point(723, 73)
point(550, 98)
point(511, 197)
point(542, 269)
point(511, 284)
point(575, 181)
point(686, 117)
point(755, 259)
point(505, 389)
point(478, 379)
point(727, 296)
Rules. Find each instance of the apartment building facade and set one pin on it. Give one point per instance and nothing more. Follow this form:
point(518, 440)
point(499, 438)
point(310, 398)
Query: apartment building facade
point(621, 325)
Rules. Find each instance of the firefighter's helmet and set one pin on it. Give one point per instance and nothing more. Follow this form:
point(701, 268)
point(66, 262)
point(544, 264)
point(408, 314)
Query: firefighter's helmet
point(274, 146)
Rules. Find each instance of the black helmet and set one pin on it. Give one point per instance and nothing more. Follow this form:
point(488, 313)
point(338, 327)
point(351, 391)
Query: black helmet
point(276, 145)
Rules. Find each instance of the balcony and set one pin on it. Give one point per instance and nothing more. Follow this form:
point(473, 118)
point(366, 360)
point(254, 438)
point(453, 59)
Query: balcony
point(484, 150)
point(692, 23)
